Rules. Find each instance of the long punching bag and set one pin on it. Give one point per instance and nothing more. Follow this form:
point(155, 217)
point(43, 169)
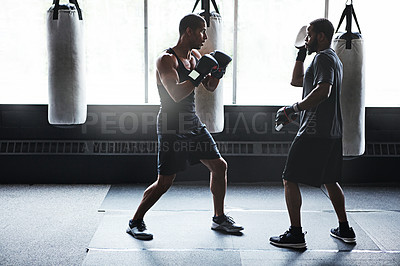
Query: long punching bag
point(349, 46)
point(210, 105)
point(66, 82)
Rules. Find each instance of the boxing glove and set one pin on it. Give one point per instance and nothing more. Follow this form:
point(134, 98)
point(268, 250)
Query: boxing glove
point(285, 115)
point(204, 66)
point(223, 61)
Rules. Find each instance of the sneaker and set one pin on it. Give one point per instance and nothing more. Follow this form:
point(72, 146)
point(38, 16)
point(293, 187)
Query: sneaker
point(347, 236)
point(138, 230)
point(225, 223)
point(289, 240)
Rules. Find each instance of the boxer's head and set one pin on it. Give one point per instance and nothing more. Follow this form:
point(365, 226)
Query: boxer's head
point(319, 35)
point(194, 27)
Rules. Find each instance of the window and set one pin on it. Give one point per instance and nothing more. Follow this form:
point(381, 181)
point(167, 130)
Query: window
point(23, 66)
point(266, 55)
point(114, 47)
point(118, 41)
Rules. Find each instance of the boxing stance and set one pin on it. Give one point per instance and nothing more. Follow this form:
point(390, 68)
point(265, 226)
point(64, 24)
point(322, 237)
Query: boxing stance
point(182, 137)
point(315, 156)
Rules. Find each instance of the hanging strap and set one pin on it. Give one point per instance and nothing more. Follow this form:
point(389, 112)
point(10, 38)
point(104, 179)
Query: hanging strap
point(348, 13)
point(75, 2)
point(56, 4)
point(205, 5)
point(195, 5)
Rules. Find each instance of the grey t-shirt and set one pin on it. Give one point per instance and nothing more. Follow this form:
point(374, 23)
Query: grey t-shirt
point(324, 120)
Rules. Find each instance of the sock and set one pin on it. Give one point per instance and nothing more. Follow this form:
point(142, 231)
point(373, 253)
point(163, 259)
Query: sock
point(219, 219)
point(295, 229)
point(136, 222)
point(344, 226)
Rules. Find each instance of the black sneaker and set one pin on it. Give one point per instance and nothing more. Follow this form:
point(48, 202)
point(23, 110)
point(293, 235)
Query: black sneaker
point(347, 236)
point(138, 230)
point(225, 223)
point(289, 240)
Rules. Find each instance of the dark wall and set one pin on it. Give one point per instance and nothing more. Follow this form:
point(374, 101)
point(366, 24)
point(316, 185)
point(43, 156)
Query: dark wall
point(116, 145)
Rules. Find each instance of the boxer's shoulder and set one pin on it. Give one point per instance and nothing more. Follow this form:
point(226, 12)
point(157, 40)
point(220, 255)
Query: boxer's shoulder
point(196, 53)
point(324, 57)
point(167, 59)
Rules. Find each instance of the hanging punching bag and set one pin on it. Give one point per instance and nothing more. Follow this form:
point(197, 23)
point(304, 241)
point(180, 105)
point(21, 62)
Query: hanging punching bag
point(210, 105)
point(349, 46)
point(66, 84)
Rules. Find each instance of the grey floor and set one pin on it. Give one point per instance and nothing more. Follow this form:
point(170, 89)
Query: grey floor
point(85, 225)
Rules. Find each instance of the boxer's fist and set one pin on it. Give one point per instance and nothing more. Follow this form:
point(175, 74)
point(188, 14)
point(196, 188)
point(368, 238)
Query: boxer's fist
point(286, 115)
point(301, 54)
point(204, 66)
point(223, 61)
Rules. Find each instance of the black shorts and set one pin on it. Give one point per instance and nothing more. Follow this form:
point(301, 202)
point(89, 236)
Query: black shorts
point(314, 161)
point(176, 150)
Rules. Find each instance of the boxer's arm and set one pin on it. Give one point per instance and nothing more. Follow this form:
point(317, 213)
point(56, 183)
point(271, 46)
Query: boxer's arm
point(320, 93)
point(287, 114)
point(298, 74)
point(298, 71)
point(166, 69)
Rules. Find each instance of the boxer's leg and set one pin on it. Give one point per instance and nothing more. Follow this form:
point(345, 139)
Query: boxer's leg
point(218, 180)
point(343, 232)
point(137, 227)
point(293, 202)
point(153, 193)
point(294, 237)
point(337, 198)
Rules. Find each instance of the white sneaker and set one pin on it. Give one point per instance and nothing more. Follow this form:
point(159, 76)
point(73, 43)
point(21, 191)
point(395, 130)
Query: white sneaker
point(226, 224)
point(138, 230)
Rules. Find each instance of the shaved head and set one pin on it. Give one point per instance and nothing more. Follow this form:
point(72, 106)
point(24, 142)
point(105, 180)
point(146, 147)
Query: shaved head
point(192, 21)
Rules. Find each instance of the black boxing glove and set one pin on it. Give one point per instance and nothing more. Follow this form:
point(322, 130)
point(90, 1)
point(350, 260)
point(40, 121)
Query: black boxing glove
point(203, 67)
point(223, 61)
point(301, 54)
point(286, 115)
